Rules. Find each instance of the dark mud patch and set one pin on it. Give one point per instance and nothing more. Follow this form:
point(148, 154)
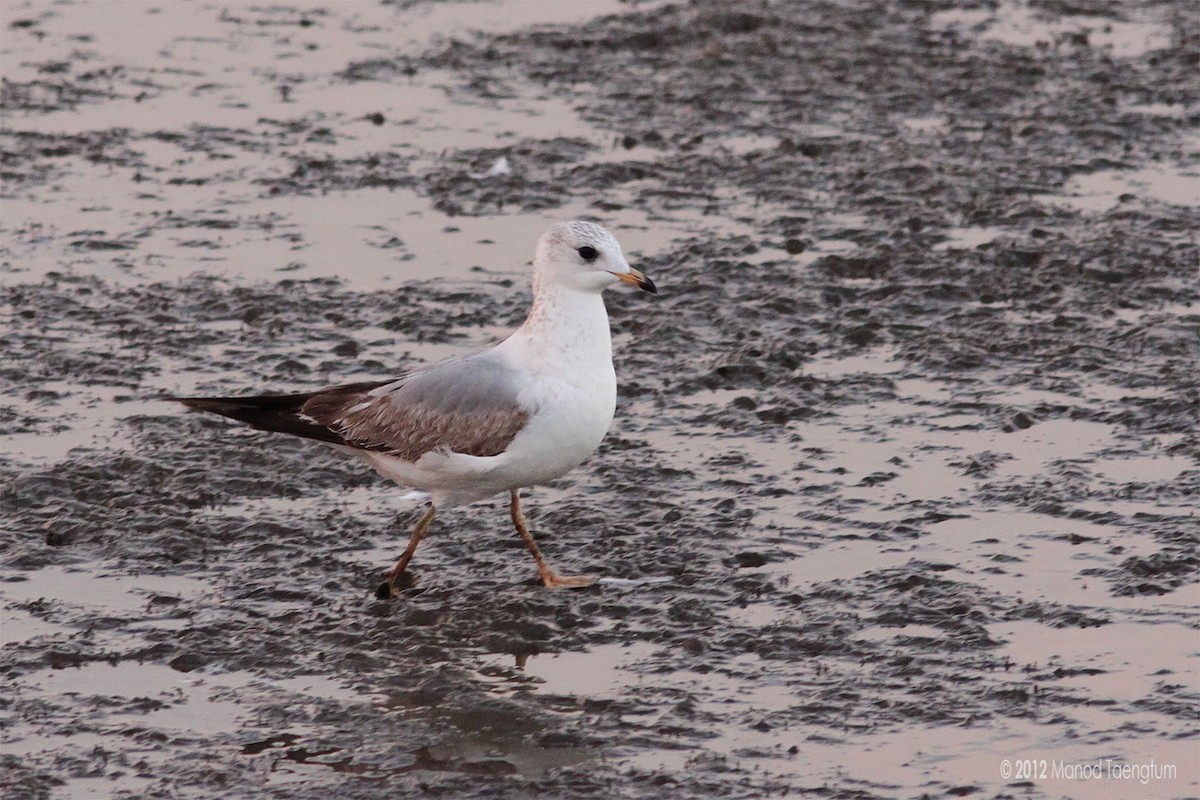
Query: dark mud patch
point(910, 430)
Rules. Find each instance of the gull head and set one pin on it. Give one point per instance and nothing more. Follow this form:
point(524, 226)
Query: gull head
point(583, 256)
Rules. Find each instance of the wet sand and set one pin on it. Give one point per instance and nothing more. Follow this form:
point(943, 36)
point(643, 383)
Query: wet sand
point(910, 430)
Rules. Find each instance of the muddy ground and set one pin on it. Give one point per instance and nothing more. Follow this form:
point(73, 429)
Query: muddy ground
point(911, 428)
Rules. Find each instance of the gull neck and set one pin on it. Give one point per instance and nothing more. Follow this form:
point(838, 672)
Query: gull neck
point(565, 326)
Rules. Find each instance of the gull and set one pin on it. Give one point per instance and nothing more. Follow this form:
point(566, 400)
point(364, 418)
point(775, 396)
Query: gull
point(518, 414)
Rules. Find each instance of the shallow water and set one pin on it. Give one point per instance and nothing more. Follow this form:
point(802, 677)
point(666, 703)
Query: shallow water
point(902, 483)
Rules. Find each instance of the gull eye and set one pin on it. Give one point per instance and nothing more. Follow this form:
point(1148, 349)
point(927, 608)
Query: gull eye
point(588, 253)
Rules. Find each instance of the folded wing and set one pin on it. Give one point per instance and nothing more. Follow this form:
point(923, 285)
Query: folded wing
point(467, 405)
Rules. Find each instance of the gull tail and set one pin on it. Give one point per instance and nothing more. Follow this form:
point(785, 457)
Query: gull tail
point(277, 413)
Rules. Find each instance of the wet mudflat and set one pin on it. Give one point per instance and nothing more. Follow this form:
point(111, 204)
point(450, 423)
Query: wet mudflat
point(911, 428)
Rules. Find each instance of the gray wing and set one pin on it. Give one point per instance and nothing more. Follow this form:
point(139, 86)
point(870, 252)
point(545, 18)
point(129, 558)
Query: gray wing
point(467, 405)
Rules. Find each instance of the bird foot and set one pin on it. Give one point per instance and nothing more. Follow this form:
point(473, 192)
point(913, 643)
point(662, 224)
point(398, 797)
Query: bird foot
point(392, 587)
point(555, 581)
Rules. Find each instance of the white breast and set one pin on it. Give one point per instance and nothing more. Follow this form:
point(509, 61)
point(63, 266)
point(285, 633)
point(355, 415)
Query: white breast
point(571, 422)
point(574, 391)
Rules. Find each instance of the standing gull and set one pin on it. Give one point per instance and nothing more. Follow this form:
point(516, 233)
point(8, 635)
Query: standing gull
point(518, 414)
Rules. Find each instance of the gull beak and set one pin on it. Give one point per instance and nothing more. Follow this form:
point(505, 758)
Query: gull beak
point(638, 279)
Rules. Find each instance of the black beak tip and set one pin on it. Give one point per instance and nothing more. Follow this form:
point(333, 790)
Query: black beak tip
point(648, 285)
